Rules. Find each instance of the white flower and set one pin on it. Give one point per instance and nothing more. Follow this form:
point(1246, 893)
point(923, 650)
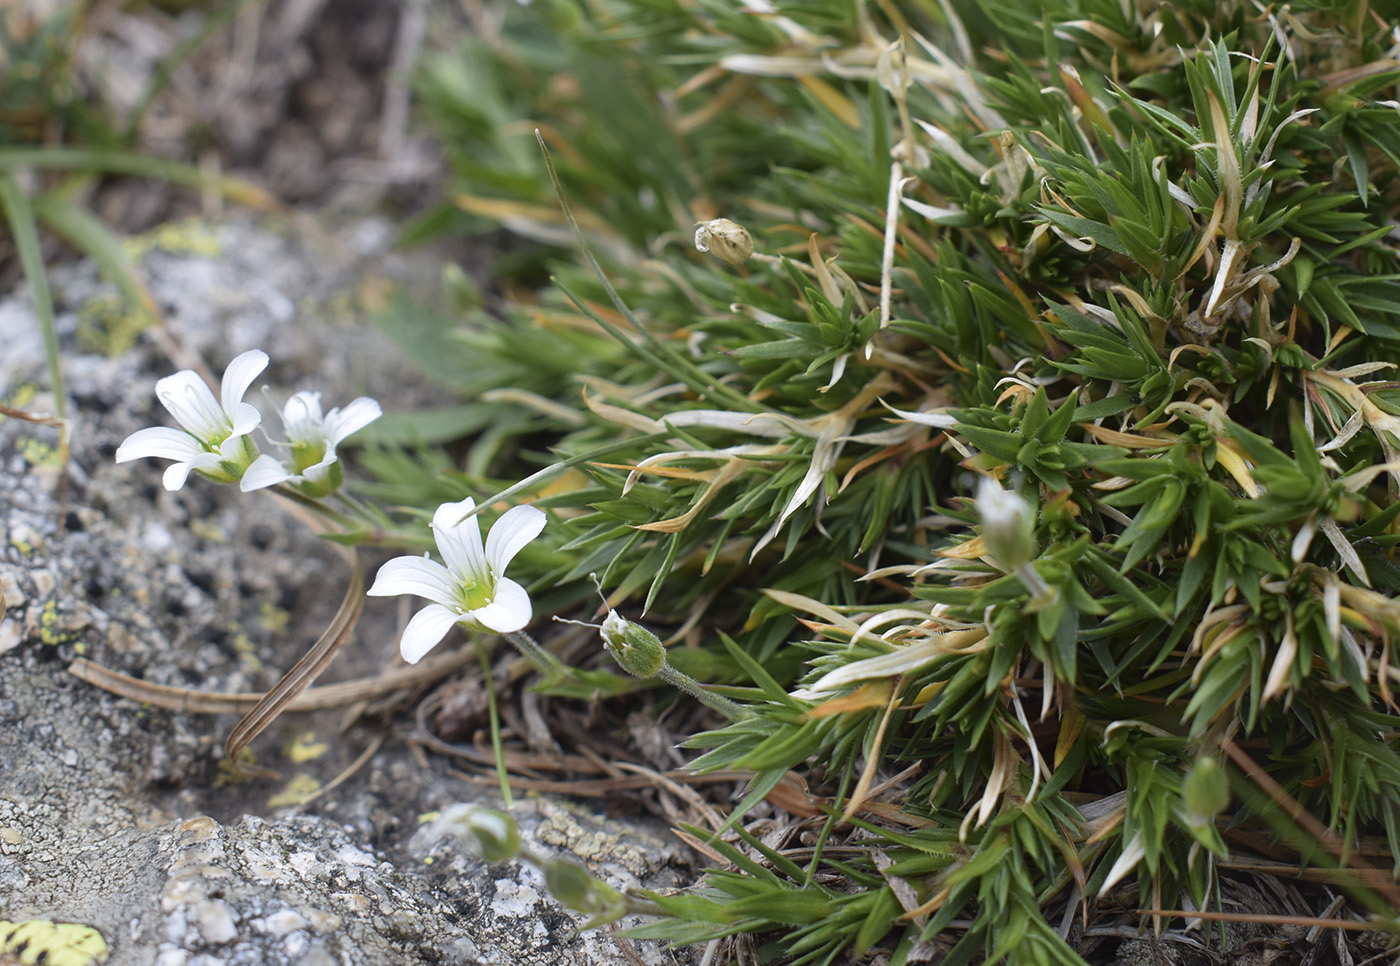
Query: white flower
point(312, 464)
point(470, 590)
point(214, 441)
point(1008, 524)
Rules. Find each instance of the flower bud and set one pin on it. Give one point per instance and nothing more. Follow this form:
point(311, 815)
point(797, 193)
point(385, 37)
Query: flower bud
point(1008, 524)
point(494, 832)
point(1206, 791)
point(571, 884)
point(637, 650)
point(724, 239)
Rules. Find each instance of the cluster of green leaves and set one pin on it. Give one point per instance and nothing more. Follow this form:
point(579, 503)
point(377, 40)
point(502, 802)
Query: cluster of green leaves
point(1141, 277)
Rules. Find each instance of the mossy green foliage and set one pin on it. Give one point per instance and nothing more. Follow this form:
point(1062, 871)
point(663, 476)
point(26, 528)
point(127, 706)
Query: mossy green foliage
point(1143, 275)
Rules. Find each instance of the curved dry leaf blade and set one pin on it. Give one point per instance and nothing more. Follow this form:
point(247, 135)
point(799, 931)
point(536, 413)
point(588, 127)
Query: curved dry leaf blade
point(299, 678)
point(191, 701)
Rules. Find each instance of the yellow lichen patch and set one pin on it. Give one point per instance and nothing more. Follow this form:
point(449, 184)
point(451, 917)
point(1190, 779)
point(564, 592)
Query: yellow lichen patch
point(295, 790)
point(189, 237)
point(207, 529)
point(110, 325)
point(245, 647)
point(52, 943)
point(50, 631)
point(38, 453)
point(22, 396)
point(305, 747)
point(274, 618)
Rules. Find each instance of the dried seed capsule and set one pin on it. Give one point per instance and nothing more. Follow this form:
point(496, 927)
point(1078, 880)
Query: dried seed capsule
point(724, 239)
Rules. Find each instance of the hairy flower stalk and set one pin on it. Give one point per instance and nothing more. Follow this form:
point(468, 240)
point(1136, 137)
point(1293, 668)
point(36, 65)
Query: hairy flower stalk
point(213, 438)
point(641, 654)
point(471, 589)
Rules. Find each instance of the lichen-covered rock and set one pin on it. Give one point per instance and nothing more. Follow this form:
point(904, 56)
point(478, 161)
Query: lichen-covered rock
point(119, 816)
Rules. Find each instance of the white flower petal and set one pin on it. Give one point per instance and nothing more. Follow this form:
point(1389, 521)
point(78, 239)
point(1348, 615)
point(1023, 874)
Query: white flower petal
point(234, 449)
point(459, 540)
point(302, 417)
point(245, 419)
point(353, 418)
point(239, 376)
point(467, 576)
point(177, 473)
point(509, 611)
point(264, 471)
point(423, 633)
point(320, 472)
point(159, 441)
point(418, 576)
point(509, 535)
point(192, 404)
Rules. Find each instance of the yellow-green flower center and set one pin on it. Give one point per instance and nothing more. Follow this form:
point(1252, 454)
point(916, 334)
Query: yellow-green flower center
point(473, 594)
point(307, 454)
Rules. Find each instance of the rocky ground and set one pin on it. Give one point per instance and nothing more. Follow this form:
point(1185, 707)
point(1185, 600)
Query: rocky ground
point(120, 816)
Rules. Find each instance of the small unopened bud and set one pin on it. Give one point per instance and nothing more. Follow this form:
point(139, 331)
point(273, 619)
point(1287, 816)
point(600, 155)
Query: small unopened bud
point(637, 650)
point(571, 884)
point(724, 239)
point(1008, 524)
point(494, 832)
point(1206, 791)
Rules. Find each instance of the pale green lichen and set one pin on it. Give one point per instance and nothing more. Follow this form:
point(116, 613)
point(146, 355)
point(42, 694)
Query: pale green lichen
point(110, 325)
point(38, 453)
point(51, 630)
point(188, 237)
point(207, 529)
point(274, 618)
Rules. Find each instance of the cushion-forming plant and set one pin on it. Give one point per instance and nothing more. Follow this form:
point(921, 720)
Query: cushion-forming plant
point(1031, 486)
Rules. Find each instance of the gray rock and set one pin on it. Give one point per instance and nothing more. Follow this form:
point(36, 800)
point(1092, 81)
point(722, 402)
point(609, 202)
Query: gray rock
point(119, 816)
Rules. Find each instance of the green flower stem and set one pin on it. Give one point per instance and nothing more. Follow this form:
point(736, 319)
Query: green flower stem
point(497, 748)
point(1041, 592)
point(546, 663)
point(684, 682)
point(316, 506)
